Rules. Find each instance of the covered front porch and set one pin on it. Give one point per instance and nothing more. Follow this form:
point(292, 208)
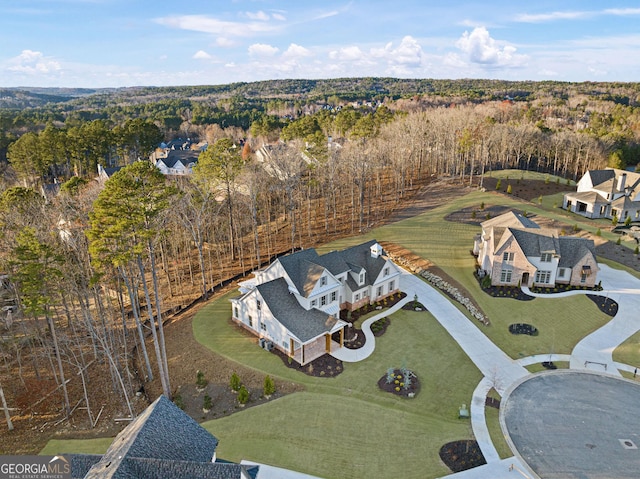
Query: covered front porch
point(304, 353)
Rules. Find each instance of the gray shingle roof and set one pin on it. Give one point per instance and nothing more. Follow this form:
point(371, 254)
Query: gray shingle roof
point(183, 156)
point(573, 249)
point(305, 325)
point(354, 259)
point(600, 176)
point(533, 244)
point(161, 432)
point(297, 266)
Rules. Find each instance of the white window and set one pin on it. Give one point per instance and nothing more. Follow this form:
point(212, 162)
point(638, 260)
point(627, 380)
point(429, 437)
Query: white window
point(263, 326)
point(285, 344)
point(365, 294)
point(323, 281)
point(543, 277)
point(333, 296)
point(361, 278)
point(250, 321)
point(386, 271)
point(561, 272)
point(323, 300)
point(546, 257)
point(235, 311)
point(379, 291)
point(505, 276)
point(583, 277)
point(507, 256)
point(258, 305)
point(392, 286)
point(314, 303)
point(357, 297)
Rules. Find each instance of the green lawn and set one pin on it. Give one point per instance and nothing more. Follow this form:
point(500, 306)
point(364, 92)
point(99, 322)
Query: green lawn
point(629, 351)
point(344, 427)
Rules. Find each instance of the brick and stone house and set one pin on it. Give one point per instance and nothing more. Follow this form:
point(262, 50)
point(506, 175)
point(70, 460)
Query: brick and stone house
point(295, 302)
point(513, 250)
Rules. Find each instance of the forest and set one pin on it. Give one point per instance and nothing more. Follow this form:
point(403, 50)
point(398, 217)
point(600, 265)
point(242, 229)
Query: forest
point(92, 267)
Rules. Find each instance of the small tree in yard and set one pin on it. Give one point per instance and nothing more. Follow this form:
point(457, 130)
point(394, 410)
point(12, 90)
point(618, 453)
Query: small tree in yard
point(234, 382)
point(201, 382)
point(509, 189)
point(614, 220)
point(269, 386)
point(243, 395)
point(499, 184)
point(207, 403)
point(627, 222)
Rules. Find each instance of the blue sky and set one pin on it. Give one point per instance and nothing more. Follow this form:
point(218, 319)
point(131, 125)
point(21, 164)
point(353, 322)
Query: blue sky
point(112, 43)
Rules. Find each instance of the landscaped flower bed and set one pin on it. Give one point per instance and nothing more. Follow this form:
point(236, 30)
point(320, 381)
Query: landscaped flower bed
point(462, 455)
point(401, 382)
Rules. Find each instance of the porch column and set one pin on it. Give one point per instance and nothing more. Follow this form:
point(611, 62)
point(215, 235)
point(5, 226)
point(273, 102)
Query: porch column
point(302, 355)
point(327, 343)
point(342, 337)
point(291, 348)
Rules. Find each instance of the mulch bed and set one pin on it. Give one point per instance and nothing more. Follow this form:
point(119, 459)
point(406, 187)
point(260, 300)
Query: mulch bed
point(523, 328)
point(397, 388)
point(492, 402)
point(462, 455)
point(606, 305)
point(326, 366)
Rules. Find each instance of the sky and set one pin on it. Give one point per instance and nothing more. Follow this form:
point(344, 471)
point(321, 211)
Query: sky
point(115, 43)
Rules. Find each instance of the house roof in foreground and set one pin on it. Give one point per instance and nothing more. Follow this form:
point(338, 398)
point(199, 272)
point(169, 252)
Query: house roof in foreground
point(573, 249)
point(535, 243)
point(162, 442)
point(303, 324)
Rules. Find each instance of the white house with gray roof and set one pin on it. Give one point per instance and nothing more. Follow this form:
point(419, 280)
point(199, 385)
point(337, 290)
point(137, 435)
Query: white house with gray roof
point(607, 194)
point(513, 250)
point(295, 302)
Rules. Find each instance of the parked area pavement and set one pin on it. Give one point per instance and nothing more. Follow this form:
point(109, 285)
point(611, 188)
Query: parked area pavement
point(593, 353)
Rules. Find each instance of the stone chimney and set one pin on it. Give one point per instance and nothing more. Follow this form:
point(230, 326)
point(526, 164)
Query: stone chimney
point(621, 181)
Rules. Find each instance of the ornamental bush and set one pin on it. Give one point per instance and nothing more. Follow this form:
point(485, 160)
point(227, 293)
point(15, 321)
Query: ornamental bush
point(243, 395)
point(269, 386)
point(234, 382)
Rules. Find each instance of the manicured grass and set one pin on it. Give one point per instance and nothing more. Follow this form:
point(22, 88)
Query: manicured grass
point(345, 427)
point(492, 417)
point(537, 367)
point(629, 351)
point(320, 431)
point(77, 446)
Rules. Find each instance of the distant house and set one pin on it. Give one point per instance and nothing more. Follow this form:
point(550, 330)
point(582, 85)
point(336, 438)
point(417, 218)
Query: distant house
point(162, 442)
point(177, 162)
point(513, 250)
point(606, 193)
point(105, 173)
point(295, 302)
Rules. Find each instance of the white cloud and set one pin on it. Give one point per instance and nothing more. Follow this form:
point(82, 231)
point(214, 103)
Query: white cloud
point(201, 55)
point(296, 51)
point(347, 54)
point(546, 17)
point(225, 42)
point(207, 24)
point(480, 48)
point(278, 16)
point(408, 53)
point(262, 50)
point(33, 63)
point(258, 16)
point(622, 11)
point(548, 73)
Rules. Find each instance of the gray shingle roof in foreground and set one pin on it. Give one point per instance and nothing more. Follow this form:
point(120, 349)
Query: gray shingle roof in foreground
point(162, 442)
point(305, 325)
point(573, 249)
point(533, 244)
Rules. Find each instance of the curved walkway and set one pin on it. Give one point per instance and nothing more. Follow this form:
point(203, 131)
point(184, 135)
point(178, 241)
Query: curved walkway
point(499, 370)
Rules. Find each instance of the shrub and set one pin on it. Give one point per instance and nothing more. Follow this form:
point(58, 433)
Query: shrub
point(627, 222)
point(207, 403)
point(482, 205)
point(618, 240)
point(391, 375)
point(269, 386)
point(509, 189)
point(546, 180)
point(499, 184)
point(488, 216)
point(201, 382)
point(636, 251)
point(473, 214)
point(568, 182)
point(598, 233)
point(614, 220)
point(234, 382)
point(575, 228)
point(243, 395)
point(178, 401)
point(540, 199)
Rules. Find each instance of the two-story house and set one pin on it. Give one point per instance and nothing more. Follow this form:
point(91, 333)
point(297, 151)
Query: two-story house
point(606, 193)
point(513, 250)
point(295, 302)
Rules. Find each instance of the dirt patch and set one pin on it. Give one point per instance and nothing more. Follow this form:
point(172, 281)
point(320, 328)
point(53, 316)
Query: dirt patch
point(527, 190)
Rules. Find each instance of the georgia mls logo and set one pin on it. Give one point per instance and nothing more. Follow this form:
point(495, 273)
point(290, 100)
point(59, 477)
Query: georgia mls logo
point(34, 467)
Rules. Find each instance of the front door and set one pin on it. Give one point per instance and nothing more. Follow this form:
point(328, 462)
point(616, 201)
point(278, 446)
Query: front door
point(525, 279)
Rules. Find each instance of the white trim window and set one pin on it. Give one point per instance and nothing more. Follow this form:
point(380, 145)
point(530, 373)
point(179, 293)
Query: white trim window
point(505, 276)
point(334, 295)
point(361, 279)
point(543, 277)
point(392, 286)
point(546, 257)
point(323, 281)
point(507, 256)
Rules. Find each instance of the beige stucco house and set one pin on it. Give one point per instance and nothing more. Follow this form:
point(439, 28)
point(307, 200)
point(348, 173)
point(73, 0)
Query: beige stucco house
point(513, 250)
